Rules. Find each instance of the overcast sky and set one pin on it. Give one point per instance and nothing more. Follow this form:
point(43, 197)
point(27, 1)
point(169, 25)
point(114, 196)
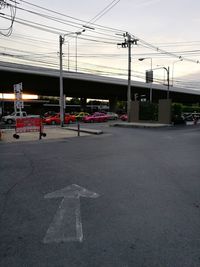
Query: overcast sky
point(171, 25)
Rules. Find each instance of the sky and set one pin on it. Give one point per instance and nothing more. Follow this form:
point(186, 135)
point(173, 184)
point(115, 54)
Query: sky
point(158, 25)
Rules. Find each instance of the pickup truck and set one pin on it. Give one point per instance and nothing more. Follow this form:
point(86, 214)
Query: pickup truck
point(9, 119)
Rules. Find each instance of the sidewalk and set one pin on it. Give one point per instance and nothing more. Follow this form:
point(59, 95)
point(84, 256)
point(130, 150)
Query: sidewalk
point(52, 132)
point(140, 125)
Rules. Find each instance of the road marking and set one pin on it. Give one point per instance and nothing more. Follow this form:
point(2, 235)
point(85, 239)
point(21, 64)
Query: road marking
point(66, 225)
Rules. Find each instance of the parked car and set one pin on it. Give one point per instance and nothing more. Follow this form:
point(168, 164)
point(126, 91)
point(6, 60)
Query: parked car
point(191, 116)
point(10, 119)
point(112, 115)
point(96, 117)
point(56, 119)
point(79, 116)
point(49, 113)
point(124, 117)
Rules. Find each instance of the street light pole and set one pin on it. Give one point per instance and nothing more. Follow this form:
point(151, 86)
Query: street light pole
point(68, 67)
point(77, 33)
point(167, 70)
point(168, 82)
point(180, 59)
point(61, 42)
point(150, 95)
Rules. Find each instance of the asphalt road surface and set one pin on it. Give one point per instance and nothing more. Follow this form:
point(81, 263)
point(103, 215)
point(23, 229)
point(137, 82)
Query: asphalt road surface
point(127, 198)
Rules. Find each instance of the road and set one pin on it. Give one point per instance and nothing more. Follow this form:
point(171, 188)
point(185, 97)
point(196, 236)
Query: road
point(129, 197)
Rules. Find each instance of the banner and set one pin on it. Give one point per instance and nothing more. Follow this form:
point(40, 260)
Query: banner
point(25, 125)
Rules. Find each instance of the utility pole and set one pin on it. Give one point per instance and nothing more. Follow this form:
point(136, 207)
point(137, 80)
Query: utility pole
point(61, 41)
point(128, 42)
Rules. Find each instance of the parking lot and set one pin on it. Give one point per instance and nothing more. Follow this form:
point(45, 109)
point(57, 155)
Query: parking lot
point(127, 197)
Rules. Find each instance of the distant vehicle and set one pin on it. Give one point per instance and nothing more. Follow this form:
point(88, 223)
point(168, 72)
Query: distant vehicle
point(79, 116)
point(124, 117)
point(112, 115)
point(56, 119)
point(50, 113)
point(96, 117)
point(9, 119)
point(191, 116)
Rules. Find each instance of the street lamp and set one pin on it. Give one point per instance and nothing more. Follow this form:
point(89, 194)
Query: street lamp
point(68, 64)
point(167, 70)
point(61, 42)
point(77, 33)
point(141, 59)
point(180, 59)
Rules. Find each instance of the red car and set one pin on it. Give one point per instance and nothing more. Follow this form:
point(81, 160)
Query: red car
point(56, 119)
point(96, 117)
point(124, 117)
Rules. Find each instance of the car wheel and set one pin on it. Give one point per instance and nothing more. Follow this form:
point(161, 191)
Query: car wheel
point(9, 121)
point(53, 123)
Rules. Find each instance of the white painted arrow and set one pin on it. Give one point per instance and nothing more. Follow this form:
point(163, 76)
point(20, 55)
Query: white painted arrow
point(66, 224)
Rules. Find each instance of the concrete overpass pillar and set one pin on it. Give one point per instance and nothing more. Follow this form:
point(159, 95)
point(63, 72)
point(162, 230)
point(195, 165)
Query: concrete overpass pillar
point(113, 104)
point(134, 111)
point(164, 111)
point(83, 103)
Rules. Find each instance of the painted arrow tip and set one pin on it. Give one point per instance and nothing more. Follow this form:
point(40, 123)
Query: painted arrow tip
point(72, 191)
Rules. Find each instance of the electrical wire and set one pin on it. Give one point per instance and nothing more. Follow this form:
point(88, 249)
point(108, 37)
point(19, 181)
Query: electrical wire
point(12, 17)
point(142, 41)
point(83, 22)
point(104, 11)
point(160, 53)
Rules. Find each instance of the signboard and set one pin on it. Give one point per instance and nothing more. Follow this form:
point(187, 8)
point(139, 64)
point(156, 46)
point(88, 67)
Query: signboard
point(25, 125)
point(149, 76)
point(19, 104)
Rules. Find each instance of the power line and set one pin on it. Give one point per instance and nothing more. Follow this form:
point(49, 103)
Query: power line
point(83, 22)
point(3, 5)
point(142, 41)
point(104, 11)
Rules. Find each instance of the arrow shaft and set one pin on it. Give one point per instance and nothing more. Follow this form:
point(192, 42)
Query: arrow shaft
point(66, 224)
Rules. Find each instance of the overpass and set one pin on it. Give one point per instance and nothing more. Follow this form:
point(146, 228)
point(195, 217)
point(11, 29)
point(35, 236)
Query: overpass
point(45, 81)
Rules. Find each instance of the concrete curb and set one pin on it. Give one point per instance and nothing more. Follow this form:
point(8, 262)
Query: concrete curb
point(85, 130)
point(140, 125)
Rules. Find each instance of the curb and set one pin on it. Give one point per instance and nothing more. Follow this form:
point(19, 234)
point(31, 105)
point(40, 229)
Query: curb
point(140, 125)
point(85, 130)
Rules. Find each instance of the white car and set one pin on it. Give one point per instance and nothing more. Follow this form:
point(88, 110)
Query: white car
point(9, 119)
point(112, 115)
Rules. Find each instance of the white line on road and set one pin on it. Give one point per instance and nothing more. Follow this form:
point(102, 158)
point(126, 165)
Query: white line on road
point(66, 225)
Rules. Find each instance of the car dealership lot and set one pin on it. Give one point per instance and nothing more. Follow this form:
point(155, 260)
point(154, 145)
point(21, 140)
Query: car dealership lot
point(135, 193)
